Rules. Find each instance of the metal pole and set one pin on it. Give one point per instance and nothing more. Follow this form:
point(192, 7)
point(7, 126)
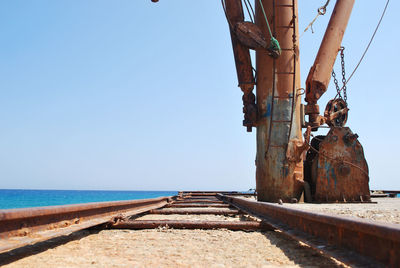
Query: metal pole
point(278, 103)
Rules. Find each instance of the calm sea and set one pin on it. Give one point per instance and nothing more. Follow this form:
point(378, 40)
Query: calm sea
point(40, 198)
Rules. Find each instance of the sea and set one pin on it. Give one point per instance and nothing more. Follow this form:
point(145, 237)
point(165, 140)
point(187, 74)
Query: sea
point(14, 198)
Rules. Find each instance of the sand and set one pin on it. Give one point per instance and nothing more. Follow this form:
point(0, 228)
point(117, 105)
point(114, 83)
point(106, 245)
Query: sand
point(386, 210)
point(178, 248)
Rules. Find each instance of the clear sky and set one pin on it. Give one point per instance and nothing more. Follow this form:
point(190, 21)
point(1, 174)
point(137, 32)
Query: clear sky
point(133, 95)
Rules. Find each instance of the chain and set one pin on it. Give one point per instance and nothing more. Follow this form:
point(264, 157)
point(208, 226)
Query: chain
point(336, 84)
point(344, 88)
point(343, 75)
point(322, 10)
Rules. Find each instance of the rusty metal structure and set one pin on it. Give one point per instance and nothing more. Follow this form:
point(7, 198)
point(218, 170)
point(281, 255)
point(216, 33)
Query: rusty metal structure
point(335, 169)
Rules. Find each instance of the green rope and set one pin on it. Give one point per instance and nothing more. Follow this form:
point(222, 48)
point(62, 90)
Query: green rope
point(265, 16)
point(274, 46)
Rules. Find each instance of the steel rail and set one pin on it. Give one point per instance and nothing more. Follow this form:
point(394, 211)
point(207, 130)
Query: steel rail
point(21, 227)
point(361, 239)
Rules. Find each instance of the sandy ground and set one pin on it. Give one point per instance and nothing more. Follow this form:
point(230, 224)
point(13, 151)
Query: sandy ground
point(386, 210)
point(177, 248)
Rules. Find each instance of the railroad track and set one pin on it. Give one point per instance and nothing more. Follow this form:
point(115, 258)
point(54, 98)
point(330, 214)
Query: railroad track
point(349, 240)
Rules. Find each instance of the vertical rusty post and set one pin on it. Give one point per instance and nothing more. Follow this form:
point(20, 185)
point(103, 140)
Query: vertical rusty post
point(234, 13)
point(278, 103)
point(320, 73)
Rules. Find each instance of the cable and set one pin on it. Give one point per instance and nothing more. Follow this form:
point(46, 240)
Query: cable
point(266, 19)
point(251, 7)
point(226, 15)
point(366, 49)
point(248, 11)
point(321, 11)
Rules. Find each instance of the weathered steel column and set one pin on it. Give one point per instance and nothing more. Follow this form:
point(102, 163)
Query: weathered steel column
point(278, 103)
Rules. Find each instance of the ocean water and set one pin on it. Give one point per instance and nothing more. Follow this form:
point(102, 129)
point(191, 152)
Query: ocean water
point(10, 198)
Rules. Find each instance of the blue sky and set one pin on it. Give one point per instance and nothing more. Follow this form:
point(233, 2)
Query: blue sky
point(132, 95)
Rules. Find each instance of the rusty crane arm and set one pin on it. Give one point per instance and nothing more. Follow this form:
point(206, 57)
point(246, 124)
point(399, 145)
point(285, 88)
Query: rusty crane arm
point(320, 73)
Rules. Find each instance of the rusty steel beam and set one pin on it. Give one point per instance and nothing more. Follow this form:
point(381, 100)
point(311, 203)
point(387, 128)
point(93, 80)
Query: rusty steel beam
point(234, 14)
point(194, 205)
point(320, 73)
point(361, 239)
point(20, 227)
point(215, 211)
point(231, 225)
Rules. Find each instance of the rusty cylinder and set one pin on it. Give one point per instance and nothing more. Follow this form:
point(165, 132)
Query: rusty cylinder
point(320, 73)
point(234, 13)
point(277, 82)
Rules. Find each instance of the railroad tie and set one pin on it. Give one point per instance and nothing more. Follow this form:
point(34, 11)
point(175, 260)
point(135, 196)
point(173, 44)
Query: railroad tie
point(188, 224)
point(196, 211)
point(198, 205)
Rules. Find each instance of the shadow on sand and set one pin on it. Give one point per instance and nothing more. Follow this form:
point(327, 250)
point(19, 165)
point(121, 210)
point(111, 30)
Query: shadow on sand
point(26, 251)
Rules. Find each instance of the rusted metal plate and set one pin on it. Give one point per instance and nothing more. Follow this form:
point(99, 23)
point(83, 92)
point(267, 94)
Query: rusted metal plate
point(362, 239)
point(20, 227)
point(182, 224)
point(339, 171)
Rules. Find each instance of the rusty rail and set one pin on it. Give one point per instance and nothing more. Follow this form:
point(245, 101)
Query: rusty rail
point(363, 239)
point(20, 227)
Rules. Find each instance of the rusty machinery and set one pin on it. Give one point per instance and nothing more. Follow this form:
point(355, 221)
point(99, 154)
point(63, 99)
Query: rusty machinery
point(335, 168)
point(330, 168)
